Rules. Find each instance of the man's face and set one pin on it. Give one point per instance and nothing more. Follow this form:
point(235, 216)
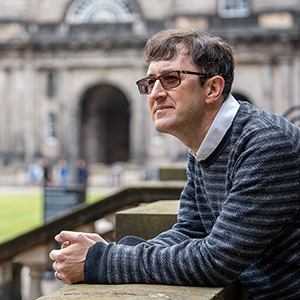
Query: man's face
point(176, 111)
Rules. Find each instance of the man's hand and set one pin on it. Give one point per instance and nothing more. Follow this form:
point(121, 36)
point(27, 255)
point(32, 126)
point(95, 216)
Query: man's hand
point(69, 260)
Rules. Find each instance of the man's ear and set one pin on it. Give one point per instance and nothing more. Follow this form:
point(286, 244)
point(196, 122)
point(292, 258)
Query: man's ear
point(215, 87)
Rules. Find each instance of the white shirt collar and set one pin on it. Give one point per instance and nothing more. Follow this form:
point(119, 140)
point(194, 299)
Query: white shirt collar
point(218, 128)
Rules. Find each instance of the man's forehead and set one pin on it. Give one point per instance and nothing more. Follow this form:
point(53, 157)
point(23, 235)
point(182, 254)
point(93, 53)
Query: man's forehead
point(157, 67)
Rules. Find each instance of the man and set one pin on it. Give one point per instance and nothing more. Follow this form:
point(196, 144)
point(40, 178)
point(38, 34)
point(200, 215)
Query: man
point(239, 212)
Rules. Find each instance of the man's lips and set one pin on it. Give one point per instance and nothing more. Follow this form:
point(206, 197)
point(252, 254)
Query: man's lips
point(162, 107)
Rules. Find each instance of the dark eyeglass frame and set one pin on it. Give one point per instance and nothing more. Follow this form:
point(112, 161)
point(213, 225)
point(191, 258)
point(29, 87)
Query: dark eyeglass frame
point(155, 78)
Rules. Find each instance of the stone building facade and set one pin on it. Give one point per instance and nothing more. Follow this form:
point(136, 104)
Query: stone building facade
point(68, 70)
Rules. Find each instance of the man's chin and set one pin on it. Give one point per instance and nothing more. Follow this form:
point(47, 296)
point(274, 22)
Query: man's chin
point(165, 125)
point(161, 128)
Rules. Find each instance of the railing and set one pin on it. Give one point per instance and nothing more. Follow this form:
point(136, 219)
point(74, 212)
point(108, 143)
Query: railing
point(32, 248)
point(147, 221)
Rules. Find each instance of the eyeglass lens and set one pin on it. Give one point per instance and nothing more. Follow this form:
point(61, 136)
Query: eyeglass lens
point(168, 81)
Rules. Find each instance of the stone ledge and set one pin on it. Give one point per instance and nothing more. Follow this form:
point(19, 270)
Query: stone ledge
point(144, 291)
point(175, 171)
point(147, 221)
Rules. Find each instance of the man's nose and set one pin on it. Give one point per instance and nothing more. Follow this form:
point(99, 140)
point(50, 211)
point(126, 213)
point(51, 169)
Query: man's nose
point(157, 90)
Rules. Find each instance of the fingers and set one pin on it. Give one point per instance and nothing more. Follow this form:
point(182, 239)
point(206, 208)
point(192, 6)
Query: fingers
point(65, 244)
point(96, 237)
point(56, 275)
point(64, 236)
point(59, 276)
point(70, 237)
point(53, 254)
point(69, 260)
point(69, 273)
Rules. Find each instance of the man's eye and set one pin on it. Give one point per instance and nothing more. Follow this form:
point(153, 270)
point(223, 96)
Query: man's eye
point(151, 81)
point(170, 78)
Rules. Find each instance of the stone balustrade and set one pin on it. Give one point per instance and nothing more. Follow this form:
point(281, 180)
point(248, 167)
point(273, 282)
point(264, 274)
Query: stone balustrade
point(147, 221)
point(31, 249)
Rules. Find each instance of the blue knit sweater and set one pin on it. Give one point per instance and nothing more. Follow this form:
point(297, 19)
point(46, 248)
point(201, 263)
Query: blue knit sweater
point(239, 218)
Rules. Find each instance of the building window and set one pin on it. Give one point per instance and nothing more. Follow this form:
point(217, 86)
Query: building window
point(99, 11)
point(233, 8)
point(50, 86)
point(51, 127)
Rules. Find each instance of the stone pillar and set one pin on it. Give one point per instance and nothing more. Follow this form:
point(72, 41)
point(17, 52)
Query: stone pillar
point(6, 280)
point(29, 110)
point(286, 84)
point(282, 85)
point(65, 112)
point(5, 102)
point(10, 280)
point(138, 119)
point(36, 275)
point(3, 124)
point(37, 259)
point(296, 79)
point(73, 140)
point(267, 86)
point(18, 116)
point(69, 135)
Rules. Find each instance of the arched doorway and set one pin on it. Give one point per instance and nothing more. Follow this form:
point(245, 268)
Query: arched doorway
point(104, 120)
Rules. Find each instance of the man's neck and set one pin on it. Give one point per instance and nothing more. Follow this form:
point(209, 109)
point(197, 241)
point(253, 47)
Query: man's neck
point(195, 139)
point(217, 129)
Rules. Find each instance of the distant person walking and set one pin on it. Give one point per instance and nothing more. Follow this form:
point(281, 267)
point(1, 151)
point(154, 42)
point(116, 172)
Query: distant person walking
point(61, 172)
point(35, 172)
point(64, 172)
point(46, 172)
point(82, 172)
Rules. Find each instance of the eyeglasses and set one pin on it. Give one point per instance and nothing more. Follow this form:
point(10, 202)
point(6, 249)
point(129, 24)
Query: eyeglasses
point(168, 80)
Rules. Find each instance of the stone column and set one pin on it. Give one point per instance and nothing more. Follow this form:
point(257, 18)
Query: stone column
point(267, 86)
point(6, 280)
point(69, 124)
point(286, 84)
point(3, 122)
point(29, 111)
point(18, 107)
point(138, 120)
point(37, 259)
point(5, 105)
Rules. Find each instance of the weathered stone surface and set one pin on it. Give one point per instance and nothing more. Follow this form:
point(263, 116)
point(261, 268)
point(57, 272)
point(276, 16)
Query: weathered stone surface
point(147, 221)
point(176, 171)
point(136, 292)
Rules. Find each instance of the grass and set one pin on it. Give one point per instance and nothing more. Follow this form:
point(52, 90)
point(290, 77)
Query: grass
point(22, 213)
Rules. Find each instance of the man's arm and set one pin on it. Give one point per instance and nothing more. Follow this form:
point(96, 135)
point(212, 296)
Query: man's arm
point(262, 200)
point(188, 226)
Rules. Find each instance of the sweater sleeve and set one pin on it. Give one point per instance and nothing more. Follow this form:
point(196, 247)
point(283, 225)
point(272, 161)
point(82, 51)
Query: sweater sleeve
point(262, 200)
point(95, 270)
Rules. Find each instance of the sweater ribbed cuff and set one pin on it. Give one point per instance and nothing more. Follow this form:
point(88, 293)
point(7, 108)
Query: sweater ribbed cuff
point(95, 266)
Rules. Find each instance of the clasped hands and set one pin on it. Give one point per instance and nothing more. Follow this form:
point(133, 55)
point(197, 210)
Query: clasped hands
point(69, 260)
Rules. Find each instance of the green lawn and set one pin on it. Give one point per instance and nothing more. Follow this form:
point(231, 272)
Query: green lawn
point(21, 213)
